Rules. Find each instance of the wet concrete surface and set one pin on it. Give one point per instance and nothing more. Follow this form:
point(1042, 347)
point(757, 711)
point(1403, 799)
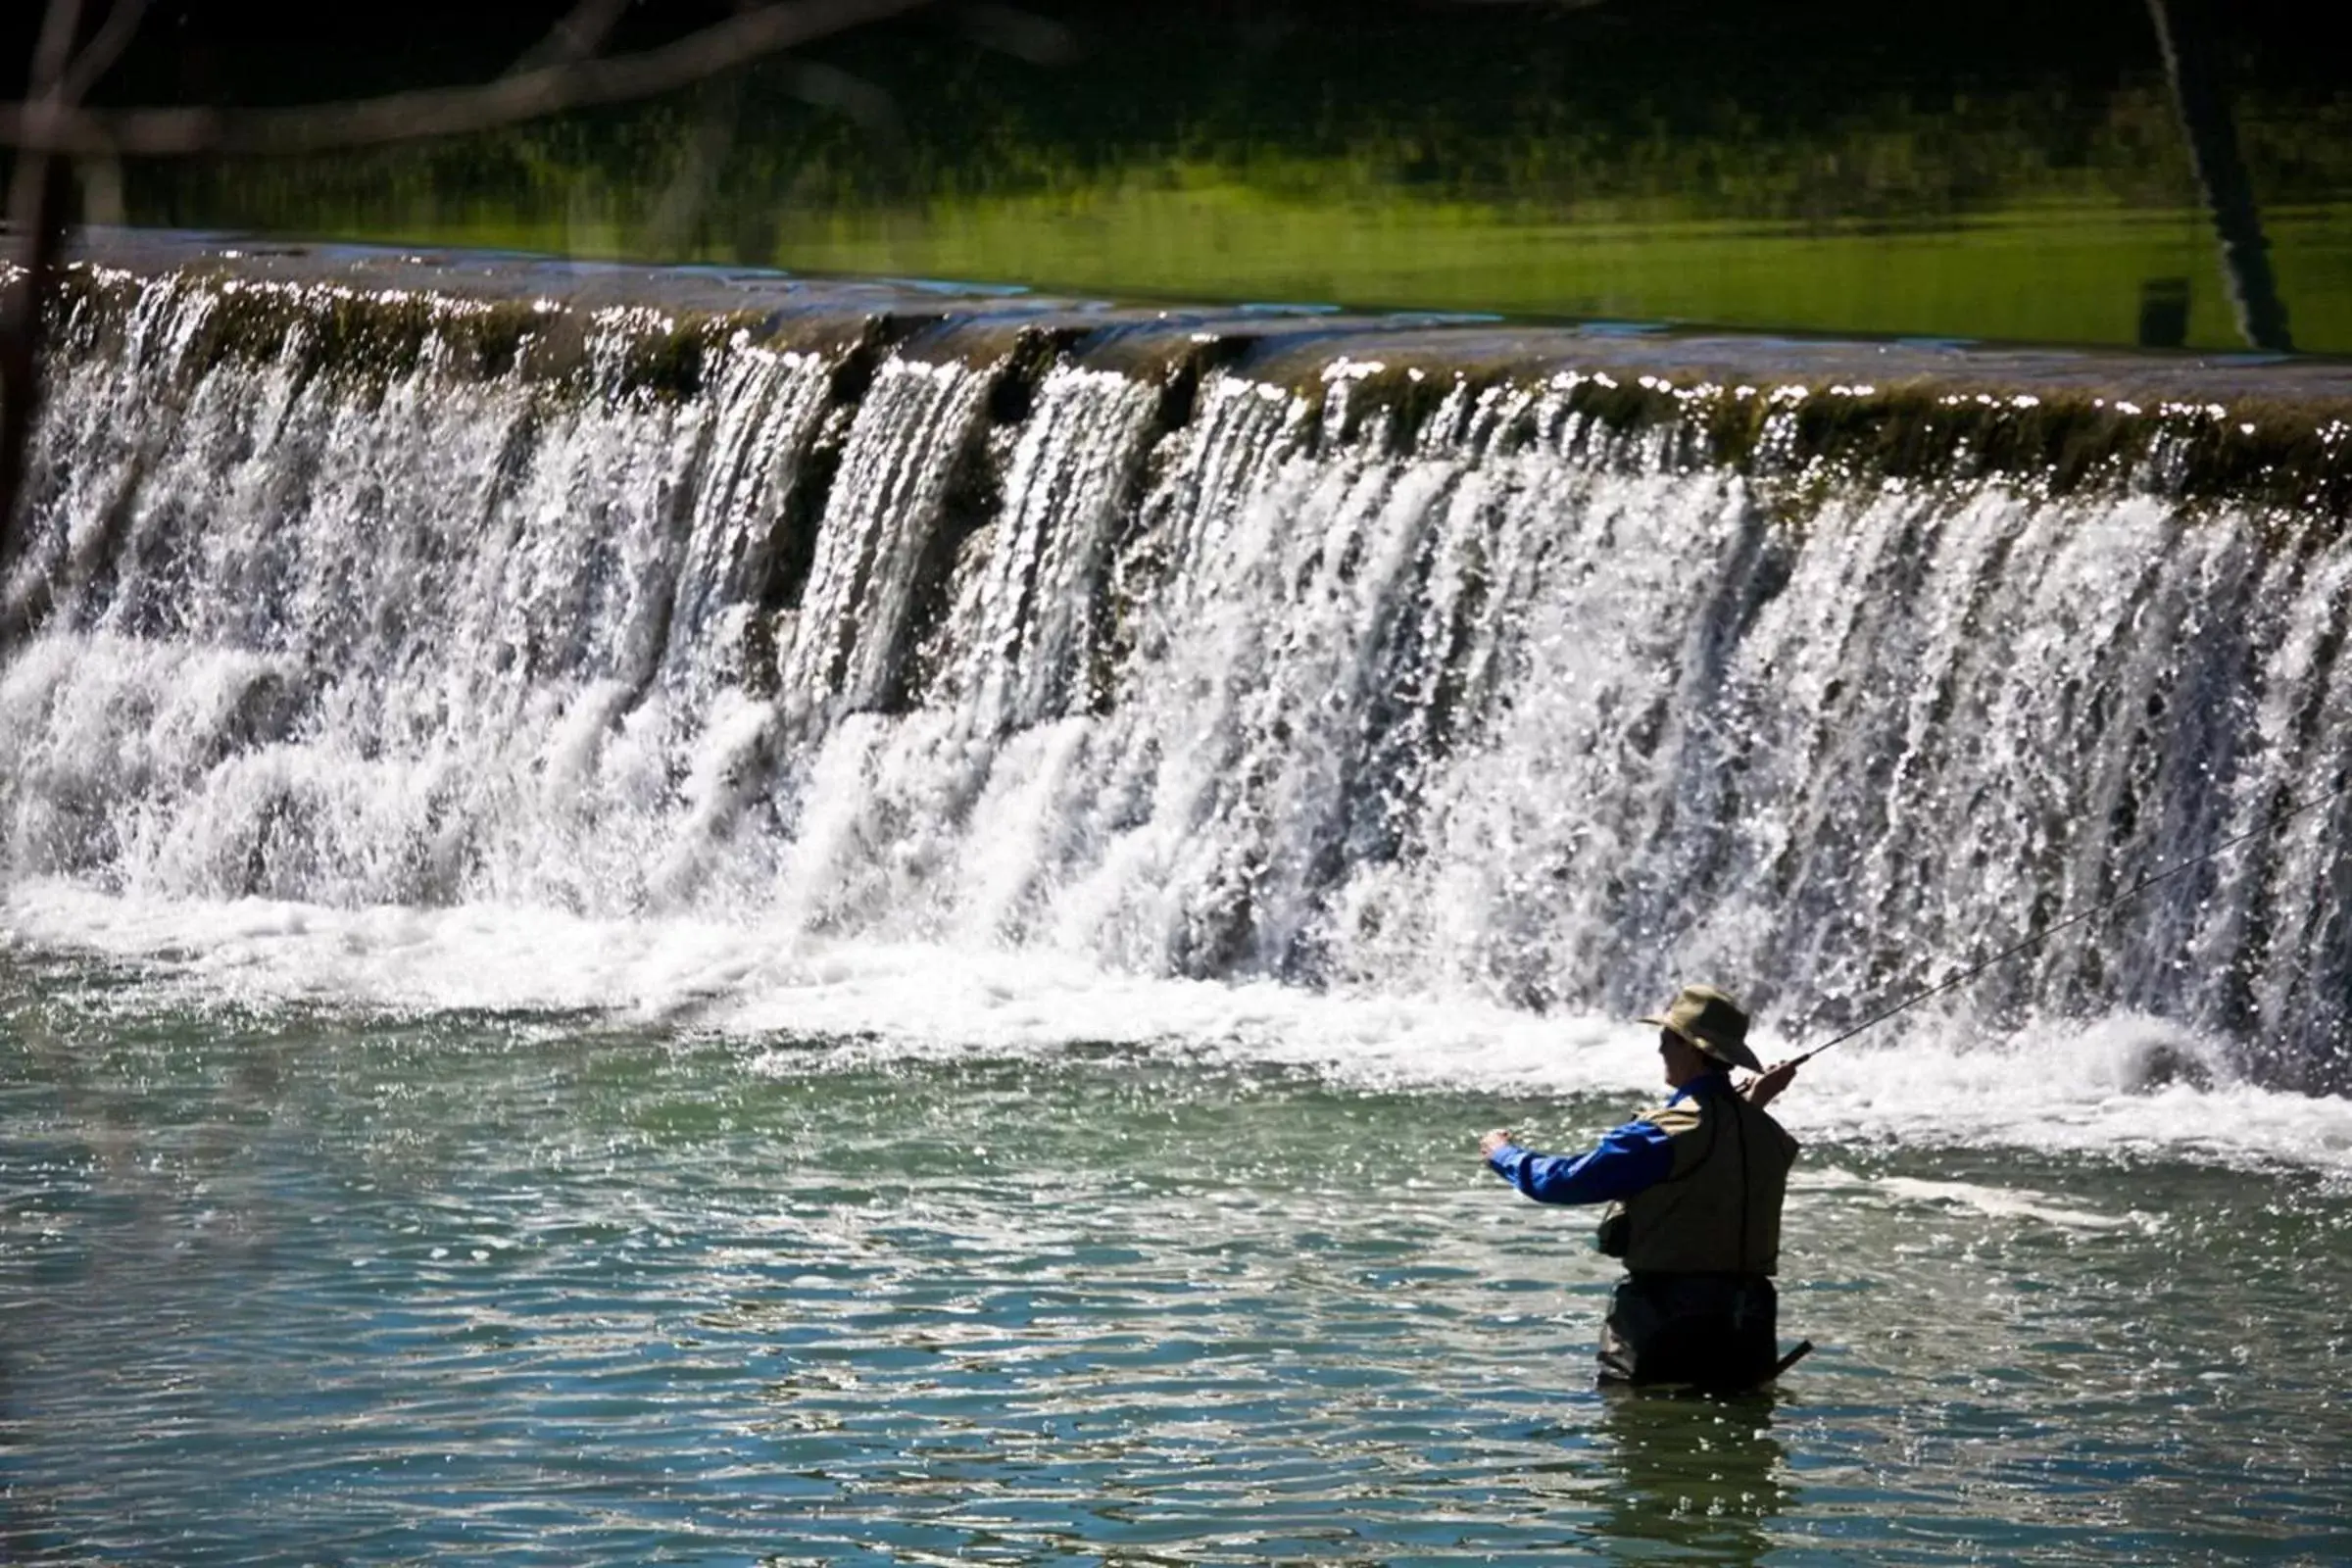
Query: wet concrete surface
point(1281, 342)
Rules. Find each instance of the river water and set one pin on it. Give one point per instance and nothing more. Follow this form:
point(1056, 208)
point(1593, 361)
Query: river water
point(622, 947)
point(288, 1282)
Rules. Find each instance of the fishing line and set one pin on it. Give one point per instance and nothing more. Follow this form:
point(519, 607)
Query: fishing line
point(2096, 909)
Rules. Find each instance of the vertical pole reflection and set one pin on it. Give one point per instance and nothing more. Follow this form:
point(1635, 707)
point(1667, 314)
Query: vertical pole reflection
point(2229, 192)
point(1700, 1476)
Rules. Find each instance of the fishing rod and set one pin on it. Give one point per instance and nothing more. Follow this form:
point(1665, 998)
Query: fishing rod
point(2096, 910)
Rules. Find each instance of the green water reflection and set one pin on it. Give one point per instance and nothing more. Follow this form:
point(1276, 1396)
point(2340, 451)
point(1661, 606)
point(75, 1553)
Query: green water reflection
point(285, 1286)
point(1987, 173)
point(1693, 1478)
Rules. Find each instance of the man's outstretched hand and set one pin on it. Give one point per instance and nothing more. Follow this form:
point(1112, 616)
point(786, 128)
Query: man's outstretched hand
point(1761, 1089)
point(1493, 1141)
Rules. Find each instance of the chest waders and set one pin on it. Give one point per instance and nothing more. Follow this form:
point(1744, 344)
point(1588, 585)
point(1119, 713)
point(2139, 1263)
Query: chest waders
point(1709, 1327)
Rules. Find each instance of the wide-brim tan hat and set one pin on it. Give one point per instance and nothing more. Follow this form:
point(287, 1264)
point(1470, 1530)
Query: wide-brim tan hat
point(1713, 1023)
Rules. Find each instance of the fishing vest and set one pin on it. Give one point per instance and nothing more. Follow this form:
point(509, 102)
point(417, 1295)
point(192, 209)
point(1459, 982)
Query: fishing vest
point(1718, 1211)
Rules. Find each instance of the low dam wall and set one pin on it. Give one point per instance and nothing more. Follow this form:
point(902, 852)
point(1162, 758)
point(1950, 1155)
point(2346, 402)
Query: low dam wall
point(1545, 664)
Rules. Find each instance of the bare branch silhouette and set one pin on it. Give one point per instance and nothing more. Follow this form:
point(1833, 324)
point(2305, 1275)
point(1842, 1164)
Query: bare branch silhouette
point(99, 55)
point(580, 33)
point(53, 128)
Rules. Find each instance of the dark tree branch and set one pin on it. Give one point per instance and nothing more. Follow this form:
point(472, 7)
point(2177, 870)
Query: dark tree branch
point(99, 55)
point(441, 111)
point(580, 33)
point(53, 54)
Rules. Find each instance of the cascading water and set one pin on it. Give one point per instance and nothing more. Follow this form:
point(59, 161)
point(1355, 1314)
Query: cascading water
point(1454, 687)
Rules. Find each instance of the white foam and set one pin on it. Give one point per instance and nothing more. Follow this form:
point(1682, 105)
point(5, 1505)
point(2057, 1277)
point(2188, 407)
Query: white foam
point(2010, 1203)
point(1519, 708)
point(2061, 1089)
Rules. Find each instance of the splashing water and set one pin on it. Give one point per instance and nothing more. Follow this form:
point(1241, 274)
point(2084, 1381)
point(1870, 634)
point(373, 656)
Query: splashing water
point(1495, 706)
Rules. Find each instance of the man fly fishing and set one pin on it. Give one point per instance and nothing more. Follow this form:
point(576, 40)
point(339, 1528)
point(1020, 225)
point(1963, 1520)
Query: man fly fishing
point(1694, 1191)
point(1694, 1187)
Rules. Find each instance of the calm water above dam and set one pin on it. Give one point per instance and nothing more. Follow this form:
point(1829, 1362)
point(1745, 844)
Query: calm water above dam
point(289, 1284)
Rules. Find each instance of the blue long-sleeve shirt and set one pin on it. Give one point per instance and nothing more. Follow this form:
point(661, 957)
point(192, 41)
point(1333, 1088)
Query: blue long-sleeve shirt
point(1626, 1160)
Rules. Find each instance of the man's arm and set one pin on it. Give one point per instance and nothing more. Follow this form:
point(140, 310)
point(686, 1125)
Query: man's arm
point(1760, 1090)
point(1626, 1160)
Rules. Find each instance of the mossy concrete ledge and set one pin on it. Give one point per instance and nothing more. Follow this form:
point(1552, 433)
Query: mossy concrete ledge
point(2268, 432)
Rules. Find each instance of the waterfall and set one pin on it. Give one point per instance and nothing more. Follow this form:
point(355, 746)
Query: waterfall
point(1448, 683)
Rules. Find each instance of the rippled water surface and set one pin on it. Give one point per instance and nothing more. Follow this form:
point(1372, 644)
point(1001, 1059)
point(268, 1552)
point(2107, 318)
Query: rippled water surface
point(287, 1286)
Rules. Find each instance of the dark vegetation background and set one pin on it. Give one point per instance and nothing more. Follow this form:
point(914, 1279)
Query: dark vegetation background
point(1187, 55)
point(1462, 91)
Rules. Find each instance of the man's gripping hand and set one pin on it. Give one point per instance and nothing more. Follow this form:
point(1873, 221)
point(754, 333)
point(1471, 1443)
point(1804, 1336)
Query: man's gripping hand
point(1760, 1090)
